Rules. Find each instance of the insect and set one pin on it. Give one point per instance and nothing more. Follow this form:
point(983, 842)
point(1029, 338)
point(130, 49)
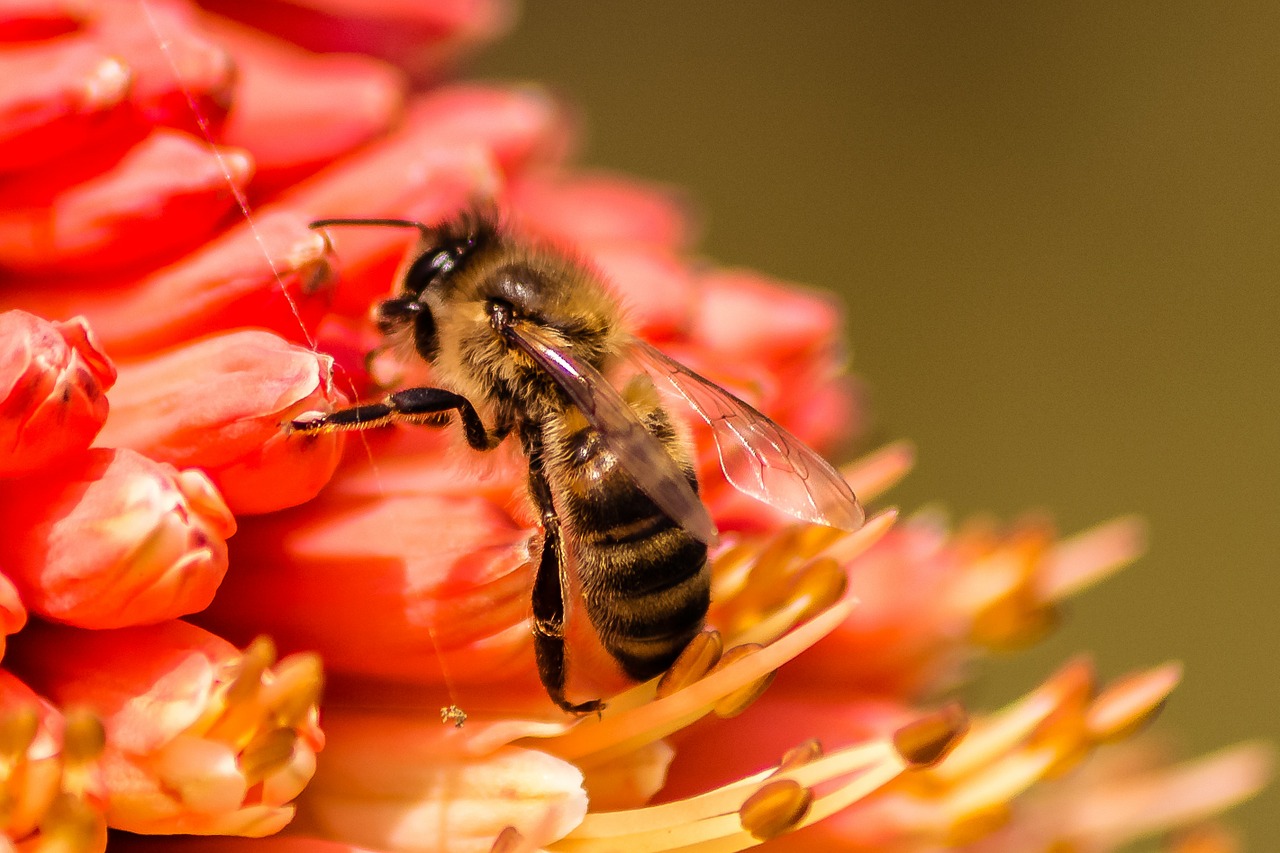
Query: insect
point(526, 333)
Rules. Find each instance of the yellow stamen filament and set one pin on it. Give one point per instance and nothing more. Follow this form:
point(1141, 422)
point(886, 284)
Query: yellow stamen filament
point(17, 732)
point(83, 737)
point(1014, 725)
point(294, 690)
point(1088, 557)
point(970, 807)
point(774, 809)
point(71, 825)
point(711, 821)
point(1209, 838)
point(798, 756)
point(1178, 796)
point(854, 544)
point(623, 728)
point(1131, 703)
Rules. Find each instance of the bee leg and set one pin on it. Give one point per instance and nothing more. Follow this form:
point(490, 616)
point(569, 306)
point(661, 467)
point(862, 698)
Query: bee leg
point(429, 406)
point(550, 589)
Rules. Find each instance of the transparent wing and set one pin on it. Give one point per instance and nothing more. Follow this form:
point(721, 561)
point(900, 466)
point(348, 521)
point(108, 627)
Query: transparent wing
point(642, 455)
point(757, 456)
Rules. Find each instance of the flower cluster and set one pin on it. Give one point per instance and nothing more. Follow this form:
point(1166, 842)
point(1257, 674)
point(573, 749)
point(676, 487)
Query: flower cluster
point(177, 567)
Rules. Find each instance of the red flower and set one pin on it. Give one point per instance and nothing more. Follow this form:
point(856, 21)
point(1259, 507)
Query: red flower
point(161, 165)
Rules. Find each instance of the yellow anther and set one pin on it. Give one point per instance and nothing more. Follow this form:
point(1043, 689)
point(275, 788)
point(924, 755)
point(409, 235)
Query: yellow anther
point(694, 662)
point(776, 808)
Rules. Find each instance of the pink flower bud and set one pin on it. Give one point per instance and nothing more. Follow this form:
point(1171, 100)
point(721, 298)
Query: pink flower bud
point(52, 382)
point(58, 96)
point(223, 405)
point(200, 737)
point(87, 215)
point(594, 209)
point(175, 65)
point(285, 99)
point(29, 20)
point(114, 538)
point(272, 274)
point(446, 574)
point(426, 38)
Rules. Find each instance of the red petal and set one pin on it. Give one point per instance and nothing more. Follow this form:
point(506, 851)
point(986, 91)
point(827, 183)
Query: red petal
point(12, 614)
point(29, 20)
point(57, 97)
point(165, 193)
point(421, 37)
point(445, 575)
point(224, 405)
point(296, 111)
point(52, 383)
point(272, 273)
point(181, 77)
point(599, 208)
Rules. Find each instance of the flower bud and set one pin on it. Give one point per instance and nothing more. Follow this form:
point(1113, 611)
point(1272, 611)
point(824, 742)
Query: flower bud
point(52, 382)
point(405, 782)
point(447, 576)
point(114, 539)
point(223, 405)
point(169, 186)
point(200, 738)
point(181, 77)
point(272, 273)
point(57, 96)
point(12, 614)
point(285, 98)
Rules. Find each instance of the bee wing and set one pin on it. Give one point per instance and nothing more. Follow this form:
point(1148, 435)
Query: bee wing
point(639, 453)
point(757, 456)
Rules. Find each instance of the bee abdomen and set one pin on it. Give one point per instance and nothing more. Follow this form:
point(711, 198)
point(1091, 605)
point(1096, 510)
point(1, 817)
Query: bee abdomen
point(646, 588)
point(647, 602)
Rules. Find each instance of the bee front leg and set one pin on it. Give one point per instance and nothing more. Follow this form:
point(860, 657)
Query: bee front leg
point(550, 590)
point(429, 406)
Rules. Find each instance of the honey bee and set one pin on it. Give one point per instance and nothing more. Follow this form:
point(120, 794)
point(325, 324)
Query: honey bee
point(526, 333)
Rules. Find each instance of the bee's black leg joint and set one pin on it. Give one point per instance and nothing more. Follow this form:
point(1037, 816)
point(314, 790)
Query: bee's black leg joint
point(550, 589)
point(414, 405)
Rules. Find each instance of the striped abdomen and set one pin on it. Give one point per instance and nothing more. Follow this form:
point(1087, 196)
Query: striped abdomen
point(644, 579)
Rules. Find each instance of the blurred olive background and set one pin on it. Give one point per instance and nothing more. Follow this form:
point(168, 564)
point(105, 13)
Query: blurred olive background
point(1054, 227)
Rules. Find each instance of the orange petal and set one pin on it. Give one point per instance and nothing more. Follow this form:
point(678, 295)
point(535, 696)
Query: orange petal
point(271, 273)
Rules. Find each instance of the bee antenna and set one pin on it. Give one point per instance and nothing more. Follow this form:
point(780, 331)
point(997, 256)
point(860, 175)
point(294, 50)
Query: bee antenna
point(384, 223)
